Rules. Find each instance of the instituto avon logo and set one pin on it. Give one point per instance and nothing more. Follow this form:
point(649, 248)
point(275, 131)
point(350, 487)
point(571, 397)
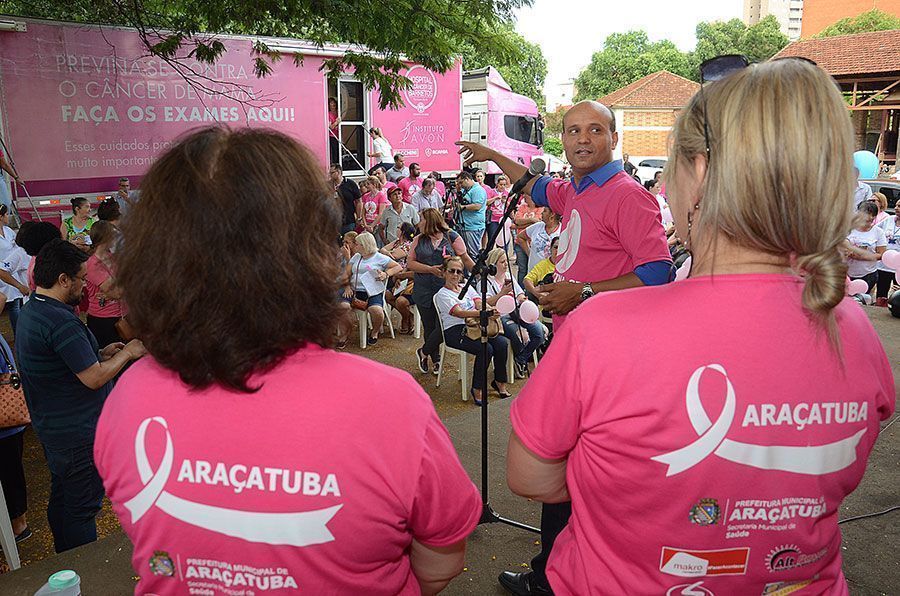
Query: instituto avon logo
point(423, 91)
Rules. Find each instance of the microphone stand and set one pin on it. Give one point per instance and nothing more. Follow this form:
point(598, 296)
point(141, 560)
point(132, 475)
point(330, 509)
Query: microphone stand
point(488, 515)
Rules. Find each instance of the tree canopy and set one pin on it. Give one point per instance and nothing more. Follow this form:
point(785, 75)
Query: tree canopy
point(626, 57)
point(525, 71)
point(553, 146)
point(430, 32)
point(867, 22)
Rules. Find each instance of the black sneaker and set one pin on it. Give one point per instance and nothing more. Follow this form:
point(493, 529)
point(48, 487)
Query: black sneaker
point(423, 360)
point(435, 368)
point(521, 370)
point(24, 535)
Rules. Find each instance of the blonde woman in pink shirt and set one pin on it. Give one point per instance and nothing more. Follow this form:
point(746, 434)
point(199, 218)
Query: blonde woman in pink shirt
point(720, 469)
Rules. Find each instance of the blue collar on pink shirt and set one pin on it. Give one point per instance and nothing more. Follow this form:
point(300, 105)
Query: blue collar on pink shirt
point(600, 176)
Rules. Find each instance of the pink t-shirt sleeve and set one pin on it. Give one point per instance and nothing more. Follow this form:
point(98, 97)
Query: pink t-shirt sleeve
point(640, 229)
point(556, 195)
point(446, 507)
point(546, 415)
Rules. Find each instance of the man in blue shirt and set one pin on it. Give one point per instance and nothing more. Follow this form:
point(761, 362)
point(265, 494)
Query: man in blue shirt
point(470, 221)
point(66, 378)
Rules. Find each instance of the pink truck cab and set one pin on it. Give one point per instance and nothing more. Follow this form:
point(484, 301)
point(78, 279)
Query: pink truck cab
point(83, 106)
point(495, 116)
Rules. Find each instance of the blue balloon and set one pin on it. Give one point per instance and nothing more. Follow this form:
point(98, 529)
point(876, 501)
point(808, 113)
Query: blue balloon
point(867, 164)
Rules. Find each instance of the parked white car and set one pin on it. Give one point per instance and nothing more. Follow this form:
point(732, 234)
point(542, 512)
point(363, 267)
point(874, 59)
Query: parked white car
point(647, 168)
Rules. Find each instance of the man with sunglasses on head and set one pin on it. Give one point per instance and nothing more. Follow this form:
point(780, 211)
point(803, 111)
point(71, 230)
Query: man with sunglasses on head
point(612, 239)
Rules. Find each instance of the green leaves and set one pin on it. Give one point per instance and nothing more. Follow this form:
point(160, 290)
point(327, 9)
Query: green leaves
point(553, 146)
point(520, 62)
point(626, 57)
point(874, 20)
point(430, 32)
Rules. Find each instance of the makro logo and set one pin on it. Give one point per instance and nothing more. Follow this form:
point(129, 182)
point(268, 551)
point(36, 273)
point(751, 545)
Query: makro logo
point(423, 91)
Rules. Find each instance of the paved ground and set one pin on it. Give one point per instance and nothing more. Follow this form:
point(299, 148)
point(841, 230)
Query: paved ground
point(870, 546)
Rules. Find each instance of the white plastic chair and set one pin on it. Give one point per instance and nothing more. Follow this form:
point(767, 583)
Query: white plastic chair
point(365, 323)
point(7, 538)
point(463, 359)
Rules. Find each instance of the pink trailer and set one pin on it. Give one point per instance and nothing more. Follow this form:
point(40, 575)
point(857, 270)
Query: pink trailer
point(82, 106)
point(504, 120)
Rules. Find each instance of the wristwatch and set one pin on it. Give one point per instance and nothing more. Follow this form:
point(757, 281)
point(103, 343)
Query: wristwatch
point(586, 292)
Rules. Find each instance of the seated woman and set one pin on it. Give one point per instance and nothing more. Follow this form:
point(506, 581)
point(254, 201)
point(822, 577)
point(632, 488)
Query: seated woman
point(368, 272)
point(865, 245)
point(502, 284)
point(344, 321)
point(76, 228)
point(669, 461)
point(241, 440)
point(453, 312)
point(400, 286)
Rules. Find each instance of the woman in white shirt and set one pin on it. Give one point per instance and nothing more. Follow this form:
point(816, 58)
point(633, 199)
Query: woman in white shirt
point(381, 151)
point(887, 276)
point(453, 313)
point(502, 284)
point(368, 271)
point(865, 245)
point(14, 262)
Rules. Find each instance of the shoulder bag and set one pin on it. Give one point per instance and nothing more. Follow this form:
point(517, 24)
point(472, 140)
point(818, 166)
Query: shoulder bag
point(13, 409)
point(355, 302)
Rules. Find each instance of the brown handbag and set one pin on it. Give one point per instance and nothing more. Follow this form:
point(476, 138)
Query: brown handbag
point(358, 303)
point(473, 327)
point(13, 409)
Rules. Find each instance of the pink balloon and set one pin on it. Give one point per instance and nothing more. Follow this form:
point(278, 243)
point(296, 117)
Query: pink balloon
point(506, 304)
point(529, 312)
point(857, 286)
point(891, 259)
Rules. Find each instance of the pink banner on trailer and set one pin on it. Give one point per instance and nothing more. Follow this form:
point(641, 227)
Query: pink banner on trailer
point(106, 109)
point(427, 126)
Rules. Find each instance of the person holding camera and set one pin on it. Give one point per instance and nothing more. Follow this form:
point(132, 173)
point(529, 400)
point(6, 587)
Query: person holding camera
point(470, 222)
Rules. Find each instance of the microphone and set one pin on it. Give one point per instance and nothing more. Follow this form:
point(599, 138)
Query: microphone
point(536, 168)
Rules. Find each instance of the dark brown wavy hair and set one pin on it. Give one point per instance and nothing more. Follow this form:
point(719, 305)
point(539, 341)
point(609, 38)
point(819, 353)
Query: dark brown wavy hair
point(243, 272)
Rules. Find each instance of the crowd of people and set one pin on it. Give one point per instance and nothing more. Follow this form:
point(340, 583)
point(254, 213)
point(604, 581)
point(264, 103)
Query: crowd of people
point(238, 440)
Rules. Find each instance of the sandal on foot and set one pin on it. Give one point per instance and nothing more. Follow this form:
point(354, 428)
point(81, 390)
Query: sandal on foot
point(500, 393)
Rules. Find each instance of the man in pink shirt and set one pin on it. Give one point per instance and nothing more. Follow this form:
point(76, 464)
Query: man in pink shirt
point(411, 184)
point(612, 239)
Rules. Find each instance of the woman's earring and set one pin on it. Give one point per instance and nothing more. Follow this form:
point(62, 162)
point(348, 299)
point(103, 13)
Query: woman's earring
point(690, 222)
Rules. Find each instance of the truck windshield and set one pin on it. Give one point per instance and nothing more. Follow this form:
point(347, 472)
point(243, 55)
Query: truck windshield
point(522, 128)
